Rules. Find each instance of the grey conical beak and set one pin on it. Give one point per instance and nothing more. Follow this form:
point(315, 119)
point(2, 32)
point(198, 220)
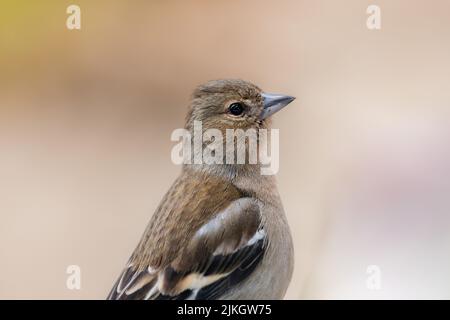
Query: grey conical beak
point(274, 103)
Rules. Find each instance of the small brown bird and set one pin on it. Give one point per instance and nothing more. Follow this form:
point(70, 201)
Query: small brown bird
point(220, 232)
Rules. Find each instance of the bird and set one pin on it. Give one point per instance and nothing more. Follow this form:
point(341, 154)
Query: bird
point(220, 231)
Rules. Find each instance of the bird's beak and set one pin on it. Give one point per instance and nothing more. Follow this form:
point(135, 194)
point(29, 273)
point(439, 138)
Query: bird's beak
point(274, 103)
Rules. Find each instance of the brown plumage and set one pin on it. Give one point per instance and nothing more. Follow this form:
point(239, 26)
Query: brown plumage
point(180, 207)
point(220, 231)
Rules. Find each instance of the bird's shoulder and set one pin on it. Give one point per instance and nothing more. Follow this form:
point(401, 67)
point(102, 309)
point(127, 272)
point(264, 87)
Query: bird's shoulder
point(192, 200)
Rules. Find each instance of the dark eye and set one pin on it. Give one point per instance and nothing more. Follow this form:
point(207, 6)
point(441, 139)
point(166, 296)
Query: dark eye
point(236, 109)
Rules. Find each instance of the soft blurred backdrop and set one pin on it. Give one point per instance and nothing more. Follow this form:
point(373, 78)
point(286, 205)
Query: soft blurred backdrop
point(86, 117)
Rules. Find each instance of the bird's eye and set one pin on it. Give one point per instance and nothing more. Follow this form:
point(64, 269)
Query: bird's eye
point(236, 109)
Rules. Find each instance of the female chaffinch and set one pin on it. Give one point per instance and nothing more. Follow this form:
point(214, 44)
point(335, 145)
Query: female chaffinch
point(220, 232)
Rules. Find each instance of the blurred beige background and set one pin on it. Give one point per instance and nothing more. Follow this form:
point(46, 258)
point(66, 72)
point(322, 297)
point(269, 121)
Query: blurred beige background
point(86, 118)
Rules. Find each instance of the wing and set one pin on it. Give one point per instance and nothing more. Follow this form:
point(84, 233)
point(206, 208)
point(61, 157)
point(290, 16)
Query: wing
point(221, 254)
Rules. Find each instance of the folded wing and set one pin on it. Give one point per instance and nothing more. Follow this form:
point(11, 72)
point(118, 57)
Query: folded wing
point(222, 254)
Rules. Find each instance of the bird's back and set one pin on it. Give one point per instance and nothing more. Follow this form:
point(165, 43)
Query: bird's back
point(191, 193)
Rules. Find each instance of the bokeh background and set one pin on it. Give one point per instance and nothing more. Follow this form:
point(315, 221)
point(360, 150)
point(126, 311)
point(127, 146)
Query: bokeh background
point(86, 117)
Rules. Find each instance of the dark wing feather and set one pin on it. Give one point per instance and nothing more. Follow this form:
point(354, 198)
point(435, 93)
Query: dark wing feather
point(248, 259)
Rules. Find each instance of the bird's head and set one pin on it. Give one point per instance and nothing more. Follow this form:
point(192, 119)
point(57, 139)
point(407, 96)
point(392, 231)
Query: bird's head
point(233, 104)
